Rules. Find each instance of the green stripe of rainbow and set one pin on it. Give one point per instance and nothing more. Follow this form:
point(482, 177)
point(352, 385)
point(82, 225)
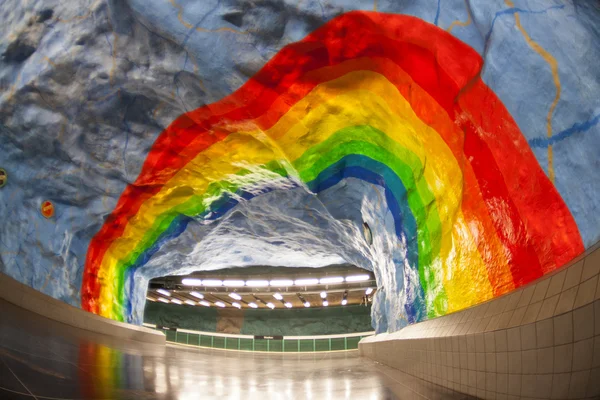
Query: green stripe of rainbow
point(382, 97)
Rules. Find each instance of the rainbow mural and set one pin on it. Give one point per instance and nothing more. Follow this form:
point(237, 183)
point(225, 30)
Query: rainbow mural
point(385, 98)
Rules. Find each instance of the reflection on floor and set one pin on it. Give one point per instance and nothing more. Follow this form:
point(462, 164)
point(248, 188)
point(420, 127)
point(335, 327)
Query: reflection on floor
point(42, 359)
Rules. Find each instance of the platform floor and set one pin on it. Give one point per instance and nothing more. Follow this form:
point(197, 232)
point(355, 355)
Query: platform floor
point(43, 359)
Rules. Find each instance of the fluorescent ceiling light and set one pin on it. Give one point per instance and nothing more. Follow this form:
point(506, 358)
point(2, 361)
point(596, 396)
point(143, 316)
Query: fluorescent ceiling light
point(204, 303)
point(271, 305)
point(332, 279)
point(163, 291)
point(235, 296)
point(306, 282)
point(236, 305)
point(233, 283)
point(219, 304)
point(190, 302)
point(325, 303)
point(307, 304)
point(288, 304)
point(344, 302)
point(282, 282)
point(191, 282)
point(198, 295)
point(252, 305)
point(323, 295)
point(257, 283)
point(212, 282)
point(358, 278)
point(176, 301)
point(278, 296)
point(369, 291)
point(163, 300)
point(150, 298)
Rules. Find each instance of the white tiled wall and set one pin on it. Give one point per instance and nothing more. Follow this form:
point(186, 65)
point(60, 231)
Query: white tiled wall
point(539, 342)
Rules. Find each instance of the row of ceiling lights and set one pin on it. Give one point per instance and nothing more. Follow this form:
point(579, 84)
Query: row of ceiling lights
point(237, 297)
point(275, 282)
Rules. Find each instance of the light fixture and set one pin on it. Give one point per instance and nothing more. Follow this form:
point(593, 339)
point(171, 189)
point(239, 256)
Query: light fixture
point(306, 304)
point(306, 282)
point(278, 296)
point(236, 305)
point(204, 303)
point(198, 295)
point(358, 278)
point(150, 298)
point(190, 302)
point(191, 282)
point(344, 302)
point(271, 305)
point(282, 282)
point(288, 304)
point(257, 283)
point(163, 300)
point(219, 304)
point(252, 305)
point(325, 303)
point(332, 279)
point(233, 283)
point(323, 295)
point(176, 301)
point(163, 291)
point(235, 296)
point(345, 298)
point(212, 282)
point(369, 291)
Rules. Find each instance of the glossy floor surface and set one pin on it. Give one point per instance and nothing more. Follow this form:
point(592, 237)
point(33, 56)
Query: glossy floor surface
point(42, 359)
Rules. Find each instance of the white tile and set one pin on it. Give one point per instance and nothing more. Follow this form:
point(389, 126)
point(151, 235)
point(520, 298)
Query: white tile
point(583, 322)
point(583, 352)
point(514, 338)
point(529, 361)
point(528, 337)
point(543, 386)
point(501, 341)
point(470, 343)
point(490, 381)
point(514, 384)
point(591, 265)
point(596, 359)
point(472, 379)
point(517, 317)
point(593, 390)
point(544, 333)
point(504, 319)
point(563, 329)
point(586, 292)
point(540, 290)
point(514, 362)
point(560, 386)
point(490, 362)
point(513, 300)
point(563, 357)
point(548, 307)
point(531, 313)
point(545, 360)
point(596, 318)
point(573, 275)
point(480, 357)
point(471, 361)
point(526, 295)
point(528, 386)
point(578, 385)
point(490, 342)
point(479, 343)
point(556, 283)
point(502, 383)
point(481, 380)
point(502, 362)
point(566, 301)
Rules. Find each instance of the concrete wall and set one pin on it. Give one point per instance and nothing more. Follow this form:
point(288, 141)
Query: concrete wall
point(39, 303)
point(538, 342)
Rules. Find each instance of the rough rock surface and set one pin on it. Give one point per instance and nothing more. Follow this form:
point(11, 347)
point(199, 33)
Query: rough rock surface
point(86, 87)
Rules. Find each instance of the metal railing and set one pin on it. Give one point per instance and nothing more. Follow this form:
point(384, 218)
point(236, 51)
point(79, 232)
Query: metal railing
point(274, 344)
